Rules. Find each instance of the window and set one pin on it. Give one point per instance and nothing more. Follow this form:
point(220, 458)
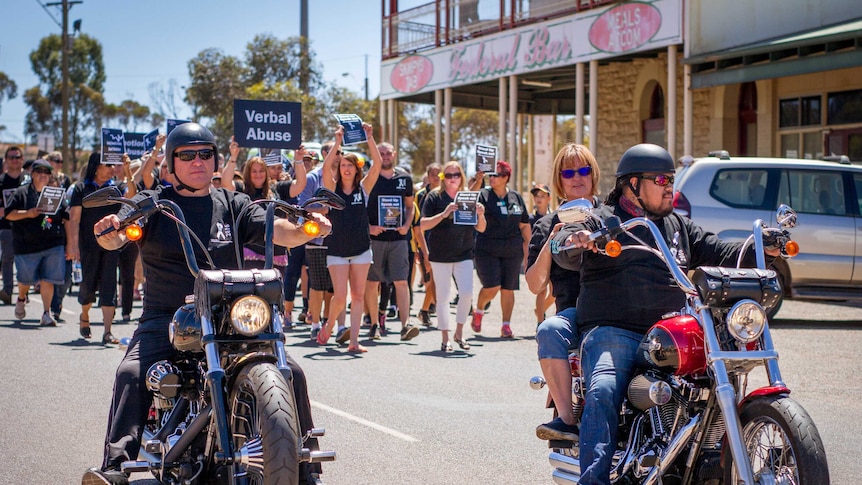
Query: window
point(795, 112)
point(845, 107)
point(813, 192)
point(654, 126)
point(741, 188)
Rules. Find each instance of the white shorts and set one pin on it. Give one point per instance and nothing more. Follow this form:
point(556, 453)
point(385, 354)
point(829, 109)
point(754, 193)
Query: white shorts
point(364, 258)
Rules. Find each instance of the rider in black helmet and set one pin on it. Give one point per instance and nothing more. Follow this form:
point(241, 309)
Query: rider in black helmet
point(191, 158)
point(622, 297)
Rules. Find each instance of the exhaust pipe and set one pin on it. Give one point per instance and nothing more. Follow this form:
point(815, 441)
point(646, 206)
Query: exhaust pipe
point(565, 478)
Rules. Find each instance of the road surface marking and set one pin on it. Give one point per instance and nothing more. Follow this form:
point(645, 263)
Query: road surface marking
point(378, 427)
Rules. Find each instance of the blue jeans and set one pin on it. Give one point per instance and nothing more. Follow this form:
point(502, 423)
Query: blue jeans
point(608, 361)
point(557, 334)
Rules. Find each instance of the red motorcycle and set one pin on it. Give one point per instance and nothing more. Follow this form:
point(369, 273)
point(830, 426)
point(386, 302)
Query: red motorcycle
point(688, 416)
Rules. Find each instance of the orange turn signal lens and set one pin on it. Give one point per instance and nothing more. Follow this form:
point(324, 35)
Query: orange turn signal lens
point(134, 232)
point(311, 228)
point(791, 248)
point(613, 248)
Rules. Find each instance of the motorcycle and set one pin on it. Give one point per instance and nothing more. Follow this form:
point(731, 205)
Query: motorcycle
point(224, 410)
point(688, 417)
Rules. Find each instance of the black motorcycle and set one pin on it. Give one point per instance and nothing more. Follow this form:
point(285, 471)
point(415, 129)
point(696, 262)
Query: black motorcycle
point(224, 410)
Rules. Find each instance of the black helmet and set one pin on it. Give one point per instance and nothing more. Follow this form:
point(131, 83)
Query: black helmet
point(645, 158)
point(188, 134)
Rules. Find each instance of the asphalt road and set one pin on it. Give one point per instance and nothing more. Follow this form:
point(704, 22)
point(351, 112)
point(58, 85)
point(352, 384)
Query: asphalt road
point(403, 413)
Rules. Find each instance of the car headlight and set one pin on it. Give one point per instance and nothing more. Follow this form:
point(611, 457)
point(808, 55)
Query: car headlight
point(250, 315)
point(746, 320)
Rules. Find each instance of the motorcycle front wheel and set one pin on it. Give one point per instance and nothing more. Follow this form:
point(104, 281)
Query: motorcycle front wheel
point(264, 425)
point(783, 444)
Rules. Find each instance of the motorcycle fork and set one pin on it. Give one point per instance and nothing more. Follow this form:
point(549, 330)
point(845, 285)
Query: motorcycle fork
point(215, 380)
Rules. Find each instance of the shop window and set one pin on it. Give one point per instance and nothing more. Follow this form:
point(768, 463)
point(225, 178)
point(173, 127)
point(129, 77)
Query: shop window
point(799, 112)
point(845, 107)
point(654, 126)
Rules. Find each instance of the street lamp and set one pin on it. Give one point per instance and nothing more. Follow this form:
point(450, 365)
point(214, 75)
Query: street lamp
point(345, 74)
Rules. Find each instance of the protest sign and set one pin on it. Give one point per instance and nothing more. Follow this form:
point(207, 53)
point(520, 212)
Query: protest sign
point(267, 124)
point(270, 156)
point(173, 124)
point(113, 146)
point(50, 199)
point(389, 210)
point(486, 158)
point(134, 144)
point(353, 132)
point(150, 140)
point(466, 214)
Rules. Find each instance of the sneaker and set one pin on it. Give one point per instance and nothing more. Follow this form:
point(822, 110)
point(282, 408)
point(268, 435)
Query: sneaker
point(47, 320)
point(455, 301)
point(314, 332)
point(408, 332)
point(373, 334)
point(557, 430)
point(5, 297)
point(432, 309)
point(109, 338)
point(94, 476)
point(390, 313)
point(20, 311)
point(476, 324)
point(506, 332)
point(57, 317)
point(343, 335)
point(425, 317)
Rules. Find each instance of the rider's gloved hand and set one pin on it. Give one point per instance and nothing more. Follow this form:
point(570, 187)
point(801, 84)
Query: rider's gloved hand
point(774, 239)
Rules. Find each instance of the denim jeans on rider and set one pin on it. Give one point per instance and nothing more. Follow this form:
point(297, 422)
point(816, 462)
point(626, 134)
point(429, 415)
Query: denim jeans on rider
point(608, 361)
point(557, 334)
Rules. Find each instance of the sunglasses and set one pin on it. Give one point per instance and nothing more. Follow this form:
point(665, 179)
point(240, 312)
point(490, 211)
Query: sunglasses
point(660, 180)
point(455, 175)
point(495, 175)
point(568, 173)
point(189, 155)
point(15, 157)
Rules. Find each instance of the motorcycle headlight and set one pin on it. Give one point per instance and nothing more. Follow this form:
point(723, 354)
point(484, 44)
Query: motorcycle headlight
point(250, 315)
point(746, 320)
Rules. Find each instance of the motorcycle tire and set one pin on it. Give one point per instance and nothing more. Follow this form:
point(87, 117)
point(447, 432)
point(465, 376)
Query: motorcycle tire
point(781, 439)
point(262, 408)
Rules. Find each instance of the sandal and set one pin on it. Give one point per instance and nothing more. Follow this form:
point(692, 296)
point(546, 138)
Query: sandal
point(446, 347)
point(84, 328)
point(108, 338)
point(357, 349)
point(464, 345)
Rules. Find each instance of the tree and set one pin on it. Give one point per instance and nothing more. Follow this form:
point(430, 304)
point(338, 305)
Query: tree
point(166, 101)
point(86, 85)
point(216, 80)
point(8, 90)
point(127, 115)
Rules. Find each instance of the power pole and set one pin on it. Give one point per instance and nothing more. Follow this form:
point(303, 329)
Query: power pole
point(66, 5)
point(303, 33)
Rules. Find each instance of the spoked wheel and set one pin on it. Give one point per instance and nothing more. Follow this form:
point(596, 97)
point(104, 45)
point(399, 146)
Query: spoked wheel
point(783, 444)
point(264, 426)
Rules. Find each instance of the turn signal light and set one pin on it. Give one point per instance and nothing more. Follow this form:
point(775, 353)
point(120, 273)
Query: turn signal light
point(134, 232)
point(791, 248)
point(613, 248)
point(311, 228)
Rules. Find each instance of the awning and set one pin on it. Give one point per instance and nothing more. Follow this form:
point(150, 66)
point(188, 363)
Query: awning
point(826, 49)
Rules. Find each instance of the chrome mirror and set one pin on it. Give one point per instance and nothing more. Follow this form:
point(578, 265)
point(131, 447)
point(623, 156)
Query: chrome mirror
point(575, 211)
point(785, 216)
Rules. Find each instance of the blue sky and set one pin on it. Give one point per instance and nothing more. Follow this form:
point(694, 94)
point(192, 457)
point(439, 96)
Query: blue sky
point(147, 41)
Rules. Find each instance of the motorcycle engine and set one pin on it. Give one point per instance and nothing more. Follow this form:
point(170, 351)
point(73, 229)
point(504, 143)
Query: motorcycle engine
point(164, 380)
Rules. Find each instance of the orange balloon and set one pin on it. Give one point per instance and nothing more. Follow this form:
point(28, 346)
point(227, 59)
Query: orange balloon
point(134, 232)
point(791, 248)
point(613, 248)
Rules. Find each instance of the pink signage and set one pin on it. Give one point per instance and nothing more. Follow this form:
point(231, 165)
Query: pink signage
point(625, 27)
point(411, 74)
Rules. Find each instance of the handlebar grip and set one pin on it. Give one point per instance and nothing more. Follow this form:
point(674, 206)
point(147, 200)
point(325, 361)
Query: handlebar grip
point(106, 231)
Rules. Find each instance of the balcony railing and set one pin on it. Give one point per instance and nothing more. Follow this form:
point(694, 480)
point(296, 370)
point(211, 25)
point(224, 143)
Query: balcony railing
point(443, 22)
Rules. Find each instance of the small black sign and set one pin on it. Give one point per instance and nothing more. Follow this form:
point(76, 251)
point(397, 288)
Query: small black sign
point(113, 146)
point(134, 144)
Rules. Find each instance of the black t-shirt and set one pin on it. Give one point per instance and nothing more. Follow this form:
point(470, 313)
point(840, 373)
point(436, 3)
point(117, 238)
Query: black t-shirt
point(401, 185)
point(504, 216)
point(39, 233)
point(10, 183)
point(89, 217)
point(447, 242)
point(349, 235)
point(168, 280)
point(282, 189)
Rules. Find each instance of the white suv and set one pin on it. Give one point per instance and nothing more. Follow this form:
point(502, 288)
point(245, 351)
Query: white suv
point(724, 195)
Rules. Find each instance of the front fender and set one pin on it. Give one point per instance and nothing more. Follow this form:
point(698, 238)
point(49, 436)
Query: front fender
point(763, 391)
point(232, 368)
